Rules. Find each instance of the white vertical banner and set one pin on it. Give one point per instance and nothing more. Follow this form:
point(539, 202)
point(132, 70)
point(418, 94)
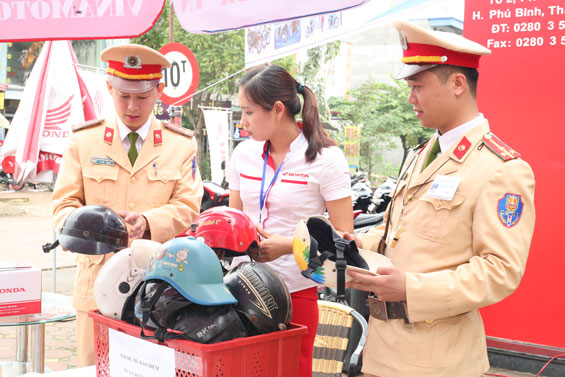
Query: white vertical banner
point(217, 121)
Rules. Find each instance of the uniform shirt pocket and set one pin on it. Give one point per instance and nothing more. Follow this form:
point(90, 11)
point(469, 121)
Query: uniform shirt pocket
point(436, 340)
point(439, 218)
point(100, 184)
point(162, 181)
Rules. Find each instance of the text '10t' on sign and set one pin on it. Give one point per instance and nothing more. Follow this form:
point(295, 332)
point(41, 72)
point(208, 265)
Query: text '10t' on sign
point(182, 77)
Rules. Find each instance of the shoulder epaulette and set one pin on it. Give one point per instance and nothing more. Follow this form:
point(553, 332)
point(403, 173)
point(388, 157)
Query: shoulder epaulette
point(180, 130)
point(499, 148)
point(87, 124)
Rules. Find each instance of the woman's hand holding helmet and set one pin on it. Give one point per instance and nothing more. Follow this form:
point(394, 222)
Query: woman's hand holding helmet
point(272, 246)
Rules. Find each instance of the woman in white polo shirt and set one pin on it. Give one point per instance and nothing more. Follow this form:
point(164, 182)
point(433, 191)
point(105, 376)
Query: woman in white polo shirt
point(287, 172)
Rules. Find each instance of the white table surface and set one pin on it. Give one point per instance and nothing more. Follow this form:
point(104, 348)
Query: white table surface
point(79, 372)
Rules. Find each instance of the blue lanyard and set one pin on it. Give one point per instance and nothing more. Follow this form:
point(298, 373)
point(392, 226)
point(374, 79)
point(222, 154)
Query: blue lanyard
point(263, 196)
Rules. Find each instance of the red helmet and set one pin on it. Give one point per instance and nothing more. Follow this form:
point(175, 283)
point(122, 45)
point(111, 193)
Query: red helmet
point(226, 228)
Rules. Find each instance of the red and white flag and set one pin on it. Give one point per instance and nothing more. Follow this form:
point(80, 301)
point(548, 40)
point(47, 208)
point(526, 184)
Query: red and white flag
point(54, 99)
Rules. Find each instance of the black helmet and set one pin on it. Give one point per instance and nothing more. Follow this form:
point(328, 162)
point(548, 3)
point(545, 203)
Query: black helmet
point(156, 301)
point(206, 324)
point(263, 300)
point(92, 229)
point(161, 307)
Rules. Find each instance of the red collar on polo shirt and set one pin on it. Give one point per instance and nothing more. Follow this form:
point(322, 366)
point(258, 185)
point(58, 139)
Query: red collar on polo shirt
point(293, 145)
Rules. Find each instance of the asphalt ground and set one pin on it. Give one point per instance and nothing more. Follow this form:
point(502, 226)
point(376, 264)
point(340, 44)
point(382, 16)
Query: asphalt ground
point(26, 224)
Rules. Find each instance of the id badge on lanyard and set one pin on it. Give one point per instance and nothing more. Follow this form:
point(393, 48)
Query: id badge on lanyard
point(263, 194)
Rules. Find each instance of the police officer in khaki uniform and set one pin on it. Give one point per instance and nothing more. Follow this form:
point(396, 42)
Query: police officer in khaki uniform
point(458, 230)
point(141, 168)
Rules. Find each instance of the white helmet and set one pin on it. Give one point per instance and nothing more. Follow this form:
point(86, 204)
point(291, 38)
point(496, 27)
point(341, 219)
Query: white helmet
point(120, 277)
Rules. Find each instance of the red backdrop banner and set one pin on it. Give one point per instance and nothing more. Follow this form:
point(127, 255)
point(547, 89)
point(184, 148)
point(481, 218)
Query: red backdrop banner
point(521, 93)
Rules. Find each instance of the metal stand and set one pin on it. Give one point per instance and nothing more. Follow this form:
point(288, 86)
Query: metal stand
point(21, 346)
point(38, 351)
point(54, 264)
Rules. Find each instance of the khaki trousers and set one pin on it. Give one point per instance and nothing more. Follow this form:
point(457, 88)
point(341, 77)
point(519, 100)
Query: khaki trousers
point(85, 340)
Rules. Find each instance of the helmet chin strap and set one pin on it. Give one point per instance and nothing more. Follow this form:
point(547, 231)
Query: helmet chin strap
point(146, 307)
point(341, 246)
point(49, 246)
point(317, 259)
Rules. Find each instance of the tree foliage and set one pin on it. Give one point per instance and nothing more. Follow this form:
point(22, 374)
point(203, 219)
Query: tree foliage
point(314, 76)
point(386, 117)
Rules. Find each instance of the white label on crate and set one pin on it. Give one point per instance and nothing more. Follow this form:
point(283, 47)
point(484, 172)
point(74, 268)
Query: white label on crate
point(133, 357)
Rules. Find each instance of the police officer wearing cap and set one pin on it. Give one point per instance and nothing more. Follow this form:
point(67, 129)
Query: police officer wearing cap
point(143, 169)
point(458, 229)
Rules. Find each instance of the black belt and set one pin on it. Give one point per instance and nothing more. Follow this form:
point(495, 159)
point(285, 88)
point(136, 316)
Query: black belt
point(385, 310)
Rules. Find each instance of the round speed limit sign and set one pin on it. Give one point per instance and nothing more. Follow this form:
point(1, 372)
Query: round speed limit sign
point(181, 78)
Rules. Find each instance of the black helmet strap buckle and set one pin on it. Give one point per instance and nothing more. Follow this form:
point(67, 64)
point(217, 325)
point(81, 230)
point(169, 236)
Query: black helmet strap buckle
point(341, 246)
point(49, 246)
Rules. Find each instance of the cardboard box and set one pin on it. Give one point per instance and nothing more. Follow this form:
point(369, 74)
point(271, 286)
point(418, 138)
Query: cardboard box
point(20, 289)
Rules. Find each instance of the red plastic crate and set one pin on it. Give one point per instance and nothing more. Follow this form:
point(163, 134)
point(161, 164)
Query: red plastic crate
point(270, 355)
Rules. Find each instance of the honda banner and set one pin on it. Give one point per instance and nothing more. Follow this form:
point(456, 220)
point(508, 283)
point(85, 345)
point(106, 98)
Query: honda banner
point(54, 99)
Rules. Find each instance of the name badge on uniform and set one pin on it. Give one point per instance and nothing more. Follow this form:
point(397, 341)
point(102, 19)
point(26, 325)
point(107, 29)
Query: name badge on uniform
point(101, 161)
point(444, 187)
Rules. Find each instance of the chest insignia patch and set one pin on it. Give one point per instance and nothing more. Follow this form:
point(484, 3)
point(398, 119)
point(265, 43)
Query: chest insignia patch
point(101, 161)
point(296, 178)
point(510, 209)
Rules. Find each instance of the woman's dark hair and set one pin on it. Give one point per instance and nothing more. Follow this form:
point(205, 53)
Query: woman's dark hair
point(271, 83)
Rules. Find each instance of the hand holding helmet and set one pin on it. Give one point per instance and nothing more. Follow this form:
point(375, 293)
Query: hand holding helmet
point(138, 222)
point(324, 256)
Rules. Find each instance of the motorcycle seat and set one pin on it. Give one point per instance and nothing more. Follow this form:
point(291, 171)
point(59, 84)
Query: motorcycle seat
point(367, 219)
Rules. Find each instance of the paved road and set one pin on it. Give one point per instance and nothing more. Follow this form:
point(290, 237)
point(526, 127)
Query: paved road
point(25, 224)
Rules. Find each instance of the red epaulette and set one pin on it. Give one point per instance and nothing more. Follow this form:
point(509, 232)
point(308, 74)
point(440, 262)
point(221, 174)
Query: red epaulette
point(499, 148)
point(180, 130)
point(88, 123)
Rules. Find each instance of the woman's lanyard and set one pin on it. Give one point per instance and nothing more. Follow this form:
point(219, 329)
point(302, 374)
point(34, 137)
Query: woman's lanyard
point(263, 195)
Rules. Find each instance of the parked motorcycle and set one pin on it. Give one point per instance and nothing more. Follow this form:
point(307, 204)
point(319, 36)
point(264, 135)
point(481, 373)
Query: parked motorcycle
point(6, 175)
point(214, 195)
point(362, 194)
point(367, 221)
point(382, 196)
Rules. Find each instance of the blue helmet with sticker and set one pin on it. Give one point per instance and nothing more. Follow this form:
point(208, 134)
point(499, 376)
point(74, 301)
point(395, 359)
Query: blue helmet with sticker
point(193, 269)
